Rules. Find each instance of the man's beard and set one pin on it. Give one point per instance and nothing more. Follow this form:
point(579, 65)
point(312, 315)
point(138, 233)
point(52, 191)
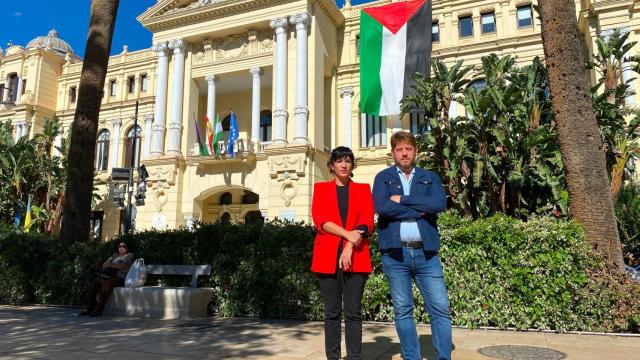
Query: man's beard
point(407, 168)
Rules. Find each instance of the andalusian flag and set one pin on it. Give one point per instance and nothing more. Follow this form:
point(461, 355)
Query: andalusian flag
point(217, 135)
point(395, 43)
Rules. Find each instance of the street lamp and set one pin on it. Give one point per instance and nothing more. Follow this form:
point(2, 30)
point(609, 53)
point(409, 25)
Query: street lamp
point(122, 179)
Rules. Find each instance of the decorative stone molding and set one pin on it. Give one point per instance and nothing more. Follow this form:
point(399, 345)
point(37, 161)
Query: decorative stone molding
point(301, 111)
point(212, 79)
point(160, 48)
point(177, 45)
point(116, 122)
point(344, 91)
point(256, 72)
point(301, 21)
point(233, 47)
point(279, 24)
point(293, 166)
point(162, 177)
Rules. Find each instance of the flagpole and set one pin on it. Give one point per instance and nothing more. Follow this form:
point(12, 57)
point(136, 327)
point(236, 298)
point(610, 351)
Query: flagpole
point(128, 225)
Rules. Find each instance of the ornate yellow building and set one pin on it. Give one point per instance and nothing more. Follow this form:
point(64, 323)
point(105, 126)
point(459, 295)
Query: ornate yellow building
point(289, 70)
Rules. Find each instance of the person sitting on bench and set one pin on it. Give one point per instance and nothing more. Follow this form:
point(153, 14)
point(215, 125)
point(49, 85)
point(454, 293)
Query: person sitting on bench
point(112, 274)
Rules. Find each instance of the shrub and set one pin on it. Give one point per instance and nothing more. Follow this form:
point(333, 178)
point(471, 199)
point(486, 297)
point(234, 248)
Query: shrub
point(500, 272)
point(627, 208)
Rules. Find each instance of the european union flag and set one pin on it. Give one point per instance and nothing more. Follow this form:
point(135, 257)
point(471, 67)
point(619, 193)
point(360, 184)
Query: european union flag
point(234, 134)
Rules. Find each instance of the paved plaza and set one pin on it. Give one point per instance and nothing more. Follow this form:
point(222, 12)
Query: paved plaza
point(57, 333)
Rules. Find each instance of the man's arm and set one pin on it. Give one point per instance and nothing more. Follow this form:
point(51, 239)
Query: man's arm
point(387, 208)
point(434, 203)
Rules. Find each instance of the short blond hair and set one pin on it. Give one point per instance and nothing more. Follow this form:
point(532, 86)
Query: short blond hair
point(403, 136)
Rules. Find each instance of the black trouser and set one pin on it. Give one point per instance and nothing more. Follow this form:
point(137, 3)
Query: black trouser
point(338, 289)
point(104, 287)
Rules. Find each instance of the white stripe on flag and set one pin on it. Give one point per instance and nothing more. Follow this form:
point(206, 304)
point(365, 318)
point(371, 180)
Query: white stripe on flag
point(394, 49)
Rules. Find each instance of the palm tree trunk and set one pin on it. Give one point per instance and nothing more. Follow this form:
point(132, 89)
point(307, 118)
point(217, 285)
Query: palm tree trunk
point(578, 133)
point(77, 206)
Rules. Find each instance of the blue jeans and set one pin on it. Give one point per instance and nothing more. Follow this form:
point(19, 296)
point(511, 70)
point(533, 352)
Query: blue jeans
point(428, 275)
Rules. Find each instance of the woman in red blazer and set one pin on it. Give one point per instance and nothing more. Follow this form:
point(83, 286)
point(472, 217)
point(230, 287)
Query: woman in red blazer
point(343, 215)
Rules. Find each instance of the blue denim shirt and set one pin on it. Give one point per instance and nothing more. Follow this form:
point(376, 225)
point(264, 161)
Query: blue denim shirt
point(408, 227)
point(427, 198)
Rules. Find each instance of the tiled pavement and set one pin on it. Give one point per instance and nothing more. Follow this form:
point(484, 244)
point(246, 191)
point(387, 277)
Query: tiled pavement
point(56, 333)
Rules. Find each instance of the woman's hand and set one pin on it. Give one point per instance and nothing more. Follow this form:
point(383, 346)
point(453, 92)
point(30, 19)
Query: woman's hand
point(354, 237)
point(345, 257)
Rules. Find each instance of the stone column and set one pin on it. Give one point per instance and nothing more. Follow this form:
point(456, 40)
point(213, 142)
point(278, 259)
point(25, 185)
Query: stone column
point(57, 142)
point(301, 21)
point(346, 93)
point(148, 124)
point(115, 144)
point(211, 98)
point(19, 89)
point(18, 127)
point(175, 126)
point(161, 99)
point(255, 105)
point(627, 75)
point(280, 111)
point(5, 94)
point(396, 123)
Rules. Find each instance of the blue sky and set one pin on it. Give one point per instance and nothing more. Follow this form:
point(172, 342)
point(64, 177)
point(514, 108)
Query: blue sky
point(23, 20)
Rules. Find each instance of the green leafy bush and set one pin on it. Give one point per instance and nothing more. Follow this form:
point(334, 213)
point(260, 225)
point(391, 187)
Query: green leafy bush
point(627, 208)
point(500, 272)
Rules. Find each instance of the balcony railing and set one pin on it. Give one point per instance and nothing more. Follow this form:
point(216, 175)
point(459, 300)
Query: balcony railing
point(241, 148)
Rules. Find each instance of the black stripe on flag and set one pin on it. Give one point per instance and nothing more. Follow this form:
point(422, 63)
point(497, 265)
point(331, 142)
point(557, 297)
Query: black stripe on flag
point(418, 51)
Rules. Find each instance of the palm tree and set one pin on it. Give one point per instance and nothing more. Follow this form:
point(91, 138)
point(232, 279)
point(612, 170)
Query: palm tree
point(77, 207)
point(578, 133)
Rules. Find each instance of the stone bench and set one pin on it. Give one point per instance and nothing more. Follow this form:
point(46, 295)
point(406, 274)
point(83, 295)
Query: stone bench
point(163, 302)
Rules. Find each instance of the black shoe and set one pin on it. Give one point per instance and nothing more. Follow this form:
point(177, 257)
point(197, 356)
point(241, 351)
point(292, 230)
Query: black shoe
point(96, 313)
point(83, 313)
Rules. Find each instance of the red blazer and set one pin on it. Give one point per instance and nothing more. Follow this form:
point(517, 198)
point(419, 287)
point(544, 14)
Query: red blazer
point(324, 208)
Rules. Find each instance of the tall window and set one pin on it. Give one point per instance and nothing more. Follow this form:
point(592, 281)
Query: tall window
point(435, 32)
point(2, 90)
point(358, 45)
point(265, 125)
point(144, 82)
point(73, 94)
point(102, 150)
point(373, 130)
point(418, 123)
point(24, 86)
point(132, 146)
point(131, 84)
point(525, 17)
point(466, 26)
point(488, 21)
point(13, 87)
point(112, 88)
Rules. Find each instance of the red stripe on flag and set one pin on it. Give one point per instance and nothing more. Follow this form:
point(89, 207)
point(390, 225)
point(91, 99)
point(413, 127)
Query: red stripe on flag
point(393, 16)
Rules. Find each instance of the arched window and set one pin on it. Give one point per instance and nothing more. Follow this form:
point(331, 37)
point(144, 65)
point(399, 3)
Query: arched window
point(226, 123)
point(132, 146)
point(265, 125)
point(478, 84)
point(253, 217)
point(102, 150)
point(226, 218)
point(226, 199)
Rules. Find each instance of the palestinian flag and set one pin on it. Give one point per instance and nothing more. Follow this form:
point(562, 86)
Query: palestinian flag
point(395, 43)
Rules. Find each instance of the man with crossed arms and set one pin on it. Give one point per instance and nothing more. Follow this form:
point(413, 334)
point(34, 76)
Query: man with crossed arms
point(407, 200)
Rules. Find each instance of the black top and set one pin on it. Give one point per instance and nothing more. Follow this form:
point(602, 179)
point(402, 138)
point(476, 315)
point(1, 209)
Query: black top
point(343, 202)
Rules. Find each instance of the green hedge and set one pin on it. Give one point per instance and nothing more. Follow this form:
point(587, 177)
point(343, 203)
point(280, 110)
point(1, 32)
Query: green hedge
point(500, 272)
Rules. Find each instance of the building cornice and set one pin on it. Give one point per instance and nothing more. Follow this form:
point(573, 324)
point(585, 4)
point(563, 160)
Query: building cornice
point(162, 16)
